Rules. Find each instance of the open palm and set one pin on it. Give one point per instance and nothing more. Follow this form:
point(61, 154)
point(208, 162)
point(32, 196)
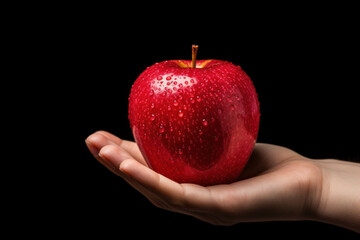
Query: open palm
point(276, 184)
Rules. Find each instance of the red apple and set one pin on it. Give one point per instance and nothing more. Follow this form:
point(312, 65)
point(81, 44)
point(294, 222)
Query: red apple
point(195, 121)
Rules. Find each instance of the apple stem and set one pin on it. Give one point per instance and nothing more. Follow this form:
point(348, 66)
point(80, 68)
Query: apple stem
point(194, 53)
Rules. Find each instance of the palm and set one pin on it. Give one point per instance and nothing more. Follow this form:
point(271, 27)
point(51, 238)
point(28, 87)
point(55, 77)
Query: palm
point(274, 185)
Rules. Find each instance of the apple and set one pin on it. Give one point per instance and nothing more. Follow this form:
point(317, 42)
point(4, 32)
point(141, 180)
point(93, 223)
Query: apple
point(195, 121)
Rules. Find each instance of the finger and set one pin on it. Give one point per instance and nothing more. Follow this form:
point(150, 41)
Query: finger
point(96, 142)
point(110, 136)
point(181, 197)
point(113, 156)
point(95, 152)
point(129, 146)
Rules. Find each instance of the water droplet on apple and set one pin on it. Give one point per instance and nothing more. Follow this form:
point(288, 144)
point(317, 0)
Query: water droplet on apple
point(169, 108)
point(161, 129)
point(152, 105)
point(152, 118)
point(176, 103)
point(200, 132)
point(180, 151)
point(181, 114)
point(168, 83)
point(168, 78)
point(186, 82)
point(198, 98)
point(151, 92)
point(192, 100)
point(175, 82)
point(159, 78)
point(204, 122)
point(180, 84)
point(192, 81)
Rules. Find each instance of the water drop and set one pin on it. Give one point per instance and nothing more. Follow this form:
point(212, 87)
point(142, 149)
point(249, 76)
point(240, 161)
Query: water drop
point(152, 118)
point(180, 151)
point(192, 100)
point(161, 129)
point(169, 108)
point(168, 83)
point(181, 114)
point(151, 92)
point(186, 82)
point(175, 82)
point(198, 98)
point(176, 103)
point(192, 81)
point(204, 122)
point(168, 78)
point(180, 84)
point(200, 132)
point(152, 105)
point(159, 78)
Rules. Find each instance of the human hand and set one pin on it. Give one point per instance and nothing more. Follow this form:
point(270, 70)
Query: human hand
point(276, 184)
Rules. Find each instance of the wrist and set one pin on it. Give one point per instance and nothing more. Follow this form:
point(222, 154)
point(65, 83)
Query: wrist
point(338, 200)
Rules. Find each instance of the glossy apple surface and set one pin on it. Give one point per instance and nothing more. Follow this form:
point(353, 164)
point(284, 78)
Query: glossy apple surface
point(195, 125)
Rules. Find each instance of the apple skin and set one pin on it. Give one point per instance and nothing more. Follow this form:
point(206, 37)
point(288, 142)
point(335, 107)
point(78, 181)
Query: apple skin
point(195, 125)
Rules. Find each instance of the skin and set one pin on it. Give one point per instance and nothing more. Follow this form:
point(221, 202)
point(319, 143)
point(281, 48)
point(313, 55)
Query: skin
point(276, 184)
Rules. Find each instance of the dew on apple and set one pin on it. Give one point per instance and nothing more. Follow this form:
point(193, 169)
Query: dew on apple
point(152, 105)
point(152, 118)
point(198, 98)
point(161, 129)
point(169, 108)
point(204, 122)
point(176, 103)
point(168, 78)
point(181, 114)
point(159, 78)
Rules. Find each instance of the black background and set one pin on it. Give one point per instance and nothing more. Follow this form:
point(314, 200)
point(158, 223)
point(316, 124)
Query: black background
point(303, 65)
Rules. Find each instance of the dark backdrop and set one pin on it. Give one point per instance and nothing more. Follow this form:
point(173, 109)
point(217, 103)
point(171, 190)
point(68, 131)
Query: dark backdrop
point(304, 73)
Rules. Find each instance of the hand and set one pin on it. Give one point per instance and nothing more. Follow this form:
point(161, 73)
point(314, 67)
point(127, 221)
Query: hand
point(276, 184)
